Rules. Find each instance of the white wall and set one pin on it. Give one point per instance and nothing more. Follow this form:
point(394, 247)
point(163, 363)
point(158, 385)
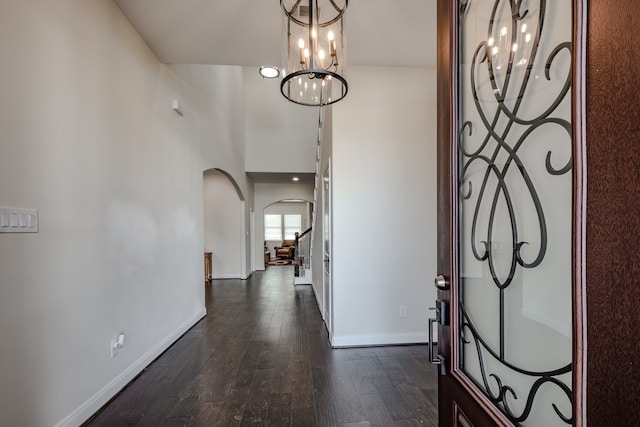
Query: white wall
point(384, 216)
point(280, 135)
point(267, 194)
point(89, 139)
point(317, 265)
point(223, 218)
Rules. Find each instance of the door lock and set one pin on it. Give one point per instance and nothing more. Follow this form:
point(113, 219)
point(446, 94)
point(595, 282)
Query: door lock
point(441, 282)
point(441, 312)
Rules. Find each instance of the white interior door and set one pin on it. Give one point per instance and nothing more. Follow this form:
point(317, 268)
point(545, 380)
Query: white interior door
point(327, 286)
point(252, 239)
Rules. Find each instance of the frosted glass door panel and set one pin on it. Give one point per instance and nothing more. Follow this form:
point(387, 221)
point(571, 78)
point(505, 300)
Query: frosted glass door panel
point(515, 206)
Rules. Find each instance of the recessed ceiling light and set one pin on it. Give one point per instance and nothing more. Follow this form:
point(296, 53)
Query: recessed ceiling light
point(295, 178)
point(269, 72)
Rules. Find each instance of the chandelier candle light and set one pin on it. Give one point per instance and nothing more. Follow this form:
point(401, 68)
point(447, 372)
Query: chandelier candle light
point(314, 56)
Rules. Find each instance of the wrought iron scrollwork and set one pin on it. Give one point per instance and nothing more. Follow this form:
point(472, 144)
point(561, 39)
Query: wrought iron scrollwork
point(496, 152)
point(539, 378)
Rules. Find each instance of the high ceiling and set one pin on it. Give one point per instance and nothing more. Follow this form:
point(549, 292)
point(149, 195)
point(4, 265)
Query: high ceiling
point(248, 32)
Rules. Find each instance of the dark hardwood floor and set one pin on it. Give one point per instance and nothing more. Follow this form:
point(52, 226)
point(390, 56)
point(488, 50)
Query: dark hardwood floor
point(261, 357)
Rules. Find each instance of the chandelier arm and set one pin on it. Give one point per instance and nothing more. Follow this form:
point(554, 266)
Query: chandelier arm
point(289, 13)
point(335, 19)
point(337, 8)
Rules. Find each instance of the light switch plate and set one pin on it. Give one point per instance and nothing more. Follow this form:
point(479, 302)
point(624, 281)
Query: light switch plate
point(18, 220)
point(4, 219)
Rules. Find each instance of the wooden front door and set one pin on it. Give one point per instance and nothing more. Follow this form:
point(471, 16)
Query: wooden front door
point(602, 383)
point(507, 220)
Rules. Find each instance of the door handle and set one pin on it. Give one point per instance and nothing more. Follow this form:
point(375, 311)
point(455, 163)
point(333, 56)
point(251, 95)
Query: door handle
point(435, 359)
point(440, 318)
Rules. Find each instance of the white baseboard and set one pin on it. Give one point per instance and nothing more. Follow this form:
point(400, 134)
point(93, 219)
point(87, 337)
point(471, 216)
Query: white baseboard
point(379, 339)
point(228, 276)
point(95, 402)
point(318, 296)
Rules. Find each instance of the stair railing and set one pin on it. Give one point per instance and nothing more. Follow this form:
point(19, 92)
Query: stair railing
point(302, 252)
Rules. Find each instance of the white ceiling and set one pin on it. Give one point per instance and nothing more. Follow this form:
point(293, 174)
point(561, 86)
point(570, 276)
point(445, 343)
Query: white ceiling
point(248, 32)
point(282, 177)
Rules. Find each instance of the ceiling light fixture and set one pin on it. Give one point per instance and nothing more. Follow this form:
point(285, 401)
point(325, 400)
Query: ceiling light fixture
point(269, 72)
point(295, 178)
point(314, 52)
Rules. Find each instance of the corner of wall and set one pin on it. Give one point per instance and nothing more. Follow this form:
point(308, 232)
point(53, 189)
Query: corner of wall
point(102, 397)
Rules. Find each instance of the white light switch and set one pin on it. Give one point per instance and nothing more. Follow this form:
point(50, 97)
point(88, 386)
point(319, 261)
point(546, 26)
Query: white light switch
point(18, 220)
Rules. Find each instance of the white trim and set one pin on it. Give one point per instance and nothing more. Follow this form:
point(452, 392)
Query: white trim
point(318, 300)
point(243, 238)
point(98, 400)
point(379, 339)
point(327, 279)
point(229, 276)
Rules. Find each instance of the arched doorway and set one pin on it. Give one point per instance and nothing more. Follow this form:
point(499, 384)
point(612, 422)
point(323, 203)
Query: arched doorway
point(281, 220)
point(225, 225)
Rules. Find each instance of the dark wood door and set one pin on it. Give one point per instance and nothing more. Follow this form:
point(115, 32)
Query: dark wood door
point(605, 136)
point(509, 173)
point(612, 213)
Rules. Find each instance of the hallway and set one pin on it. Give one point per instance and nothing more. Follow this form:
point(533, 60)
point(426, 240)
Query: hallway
point(261, 357)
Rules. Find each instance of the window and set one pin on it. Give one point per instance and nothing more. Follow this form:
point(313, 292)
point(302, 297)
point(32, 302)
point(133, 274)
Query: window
point(273, 227)
point(292, 225)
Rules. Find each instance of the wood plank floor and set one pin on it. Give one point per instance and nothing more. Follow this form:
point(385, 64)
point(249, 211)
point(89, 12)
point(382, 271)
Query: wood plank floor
point(261, 357)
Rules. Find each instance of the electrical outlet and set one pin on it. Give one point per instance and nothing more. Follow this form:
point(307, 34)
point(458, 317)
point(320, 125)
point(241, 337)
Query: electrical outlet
point(403, 311)
point(116, 345)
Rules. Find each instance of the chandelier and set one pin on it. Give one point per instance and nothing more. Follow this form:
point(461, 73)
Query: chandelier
point(314, 55)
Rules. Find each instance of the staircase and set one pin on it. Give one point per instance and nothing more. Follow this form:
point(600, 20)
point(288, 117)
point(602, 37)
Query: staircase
point(302, 258)
point(304, 242)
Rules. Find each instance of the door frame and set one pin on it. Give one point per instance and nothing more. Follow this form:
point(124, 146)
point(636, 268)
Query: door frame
point(459, 400)
point(327, 278)
point(252, 238)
